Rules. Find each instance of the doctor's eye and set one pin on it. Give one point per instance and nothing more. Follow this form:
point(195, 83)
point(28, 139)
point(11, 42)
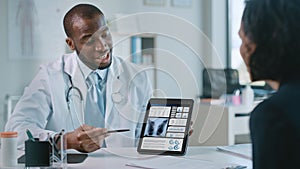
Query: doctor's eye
point(90, 41)
point(105, 33)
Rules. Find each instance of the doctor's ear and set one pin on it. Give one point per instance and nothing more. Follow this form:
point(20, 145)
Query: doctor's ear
point(70, 43)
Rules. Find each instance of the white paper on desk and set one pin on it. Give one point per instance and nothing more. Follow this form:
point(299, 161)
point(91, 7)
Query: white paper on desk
point(163, 162)
point(126, 153)
point(241, 150)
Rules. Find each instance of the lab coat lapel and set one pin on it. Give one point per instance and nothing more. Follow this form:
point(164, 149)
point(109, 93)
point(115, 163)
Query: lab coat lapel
point(114, 85)
point(72, 68)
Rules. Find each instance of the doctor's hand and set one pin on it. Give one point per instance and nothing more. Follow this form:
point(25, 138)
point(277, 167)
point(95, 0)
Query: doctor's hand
point(86, 138)
point(191, 130)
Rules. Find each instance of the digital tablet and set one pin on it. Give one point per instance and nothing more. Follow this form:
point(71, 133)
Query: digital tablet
point(166, 126)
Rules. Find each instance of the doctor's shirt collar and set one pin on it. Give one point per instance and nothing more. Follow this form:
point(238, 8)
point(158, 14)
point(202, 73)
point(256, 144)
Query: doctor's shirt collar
point(86, 70)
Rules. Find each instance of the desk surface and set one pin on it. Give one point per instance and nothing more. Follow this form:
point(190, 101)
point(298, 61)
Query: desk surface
point(196, 157)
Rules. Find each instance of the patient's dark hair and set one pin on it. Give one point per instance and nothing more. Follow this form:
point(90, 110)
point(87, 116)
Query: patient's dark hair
point(274, 26)
point(86, 11)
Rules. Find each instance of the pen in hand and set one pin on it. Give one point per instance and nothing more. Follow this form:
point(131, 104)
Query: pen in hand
point(119, 130)
point(114, 131)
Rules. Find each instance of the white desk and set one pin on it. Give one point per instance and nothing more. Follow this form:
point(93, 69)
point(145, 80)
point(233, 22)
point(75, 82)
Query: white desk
point(118, 158)
point(196, 157)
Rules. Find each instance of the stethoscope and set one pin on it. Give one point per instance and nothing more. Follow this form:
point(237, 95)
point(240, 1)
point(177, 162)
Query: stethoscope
point(116, 96)
point(68, 100)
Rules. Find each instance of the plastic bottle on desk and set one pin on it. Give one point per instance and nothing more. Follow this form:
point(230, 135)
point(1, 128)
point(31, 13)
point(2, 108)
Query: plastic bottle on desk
point(8, 151)
point(236, 97)
point(248, 96)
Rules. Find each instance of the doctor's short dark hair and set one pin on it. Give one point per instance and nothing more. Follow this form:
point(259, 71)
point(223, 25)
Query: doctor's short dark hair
point(274, 26)
point(86, 11)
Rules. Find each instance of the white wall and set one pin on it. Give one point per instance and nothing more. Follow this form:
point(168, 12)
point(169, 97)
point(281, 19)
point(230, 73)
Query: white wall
point(178, 56)
point(14, 74)
point(184, 44)
point(219, 32)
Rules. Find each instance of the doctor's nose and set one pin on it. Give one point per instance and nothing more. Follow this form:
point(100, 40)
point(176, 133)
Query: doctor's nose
point(101, 45)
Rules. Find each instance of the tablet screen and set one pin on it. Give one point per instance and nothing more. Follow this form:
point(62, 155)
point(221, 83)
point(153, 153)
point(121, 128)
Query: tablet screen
point(166, 126)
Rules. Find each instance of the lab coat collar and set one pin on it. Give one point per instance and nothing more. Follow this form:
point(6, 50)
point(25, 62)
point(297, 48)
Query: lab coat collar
point(86, 71)
point(69, 63)
point(71, 67)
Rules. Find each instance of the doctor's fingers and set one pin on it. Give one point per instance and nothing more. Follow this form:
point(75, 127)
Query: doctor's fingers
point(92, 144)
point(98, 140)
point(89, 146)
point(191, 130)
point(93, 138)
point(85, 127)
point(93, 133)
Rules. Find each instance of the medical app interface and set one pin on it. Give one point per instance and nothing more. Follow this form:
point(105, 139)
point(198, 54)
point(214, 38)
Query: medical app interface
point(165, 127)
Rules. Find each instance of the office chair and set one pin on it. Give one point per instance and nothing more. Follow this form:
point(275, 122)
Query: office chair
point(219, 81)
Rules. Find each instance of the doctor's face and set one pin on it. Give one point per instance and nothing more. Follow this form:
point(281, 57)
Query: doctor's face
point(92, 41)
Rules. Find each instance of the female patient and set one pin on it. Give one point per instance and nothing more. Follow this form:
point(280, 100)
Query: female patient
point(270, 33)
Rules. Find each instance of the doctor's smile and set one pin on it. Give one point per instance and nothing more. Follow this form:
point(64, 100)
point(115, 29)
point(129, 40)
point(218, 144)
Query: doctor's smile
point(104, 58)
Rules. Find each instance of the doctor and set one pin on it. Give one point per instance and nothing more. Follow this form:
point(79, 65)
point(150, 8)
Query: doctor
point(43, 108)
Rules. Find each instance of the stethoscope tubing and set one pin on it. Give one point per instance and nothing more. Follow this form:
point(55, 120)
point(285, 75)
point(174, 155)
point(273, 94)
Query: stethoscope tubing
point(116, 97)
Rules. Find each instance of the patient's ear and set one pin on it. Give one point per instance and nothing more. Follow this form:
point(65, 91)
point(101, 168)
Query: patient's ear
point(70, 43)
point(250, 46)
point(248, 50)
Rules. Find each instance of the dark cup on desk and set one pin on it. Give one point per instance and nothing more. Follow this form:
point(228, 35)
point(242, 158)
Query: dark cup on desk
point(37, 153)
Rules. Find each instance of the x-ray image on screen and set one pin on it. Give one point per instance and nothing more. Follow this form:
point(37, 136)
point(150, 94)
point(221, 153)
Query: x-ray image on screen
point(156, 127)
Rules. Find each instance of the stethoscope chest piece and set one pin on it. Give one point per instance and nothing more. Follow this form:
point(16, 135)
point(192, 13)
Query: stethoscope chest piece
point(117, 97)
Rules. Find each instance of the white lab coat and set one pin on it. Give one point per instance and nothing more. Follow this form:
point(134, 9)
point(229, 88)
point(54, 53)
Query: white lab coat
point(43, 109)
